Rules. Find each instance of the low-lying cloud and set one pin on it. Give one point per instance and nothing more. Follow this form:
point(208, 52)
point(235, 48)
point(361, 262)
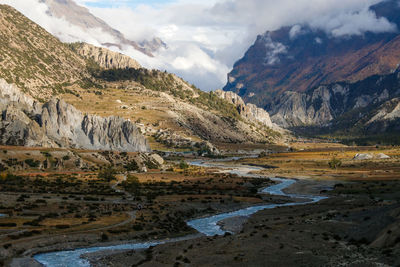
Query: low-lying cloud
point(206, 37)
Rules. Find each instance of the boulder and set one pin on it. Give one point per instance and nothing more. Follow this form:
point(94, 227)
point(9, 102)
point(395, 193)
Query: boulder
point(157, 159)
point(208, 148)
point(382, 156)
point(363, 156)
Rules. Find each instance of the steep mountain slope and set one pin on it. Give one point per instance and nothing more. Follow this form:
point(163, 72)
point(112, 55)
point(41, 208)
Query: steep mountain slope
point(367, 107)
point(299, 58)
point(25, 122)
point(33, 59)
point(167, 109)
point(82, 18)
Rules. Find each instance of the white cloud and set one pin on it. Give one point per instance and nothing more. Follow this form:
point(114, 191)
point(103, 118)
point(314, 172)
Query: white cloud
point(206, 37)
point(295, 31)
point(66, 32)
point(353, 23)
point(274, 49)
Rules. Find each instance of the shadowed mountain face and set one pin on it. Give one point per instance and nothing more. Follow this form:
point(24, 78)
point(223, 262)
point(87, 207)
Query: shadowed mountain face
point(81, 17)
point(366, 107)
point(298, 58)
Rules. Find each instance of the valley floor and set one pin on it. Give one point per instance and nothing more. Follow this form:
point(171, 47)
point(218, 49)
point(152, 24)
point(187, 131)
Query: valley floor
point(346, 230)
point(359, 225)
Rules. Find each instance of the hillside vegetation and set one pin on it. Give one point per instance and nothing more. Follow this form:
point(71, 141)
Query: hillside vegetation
point(168, 110)
point(33, 59)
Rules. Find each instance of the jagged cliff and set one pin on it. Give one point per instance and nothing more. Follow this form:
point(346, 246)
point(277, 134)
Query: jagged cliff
point(26, 122)
point(105, 58)
point(248, 111)
point(369, 106)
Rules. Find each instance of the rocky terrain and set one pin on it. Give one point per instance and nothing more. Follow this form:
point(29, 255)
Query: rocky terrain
point(26, 122)
point(56, 160)
point(105, 58)
point(306, 77)
point(248, 111)
point(101, 82)
point(366, 107)
point(81, 17)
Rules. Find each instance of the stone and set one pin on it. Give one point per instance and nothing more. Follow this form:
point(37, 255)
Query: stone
point(382, 156)
point(157, 158)
point(363, 156)
point(25, 122)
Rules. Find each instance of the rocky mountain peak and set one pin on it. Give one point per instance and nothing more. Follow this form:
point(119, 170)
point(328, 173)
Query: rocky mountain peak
point(248, 111)
point(300, 57)
point(81, 17)
point(104, 57)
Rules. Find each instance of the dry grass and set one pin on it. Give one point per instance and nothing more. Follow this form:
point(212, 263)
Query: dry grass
point(314, 164)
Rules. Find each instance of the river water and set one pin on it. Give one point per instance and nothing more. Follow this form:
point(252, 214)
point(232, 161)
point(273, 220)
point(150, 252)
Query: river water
point(207, 225)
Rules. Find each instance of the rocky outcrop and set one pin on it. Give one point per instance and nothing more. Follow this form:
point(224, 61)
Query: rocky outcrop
point(367, 156)
point(26, 122)
point(296, 109)
point(105, 58)
point(248, 111)
point(389, 111)
point(153, 45)
point(362, 156)
point(372, 104)
point(172, 139)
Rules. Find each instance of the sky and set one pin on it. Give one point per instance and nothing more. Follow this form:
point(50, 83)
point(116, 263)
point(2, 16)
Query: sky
point(206, 37)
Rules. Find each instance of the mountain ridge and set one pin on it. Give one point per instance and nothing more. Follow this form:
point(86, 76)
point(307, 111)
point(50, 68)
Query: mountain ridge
point(169, 111)
point(34, 59)
point(81, 17)
point(313, 58)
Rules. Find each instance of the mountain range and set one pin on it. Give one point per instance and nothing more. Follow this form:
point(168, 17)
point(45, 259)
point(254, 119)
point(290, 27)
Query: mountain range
point(306, 77)
point(81, 17)
point(82, 96)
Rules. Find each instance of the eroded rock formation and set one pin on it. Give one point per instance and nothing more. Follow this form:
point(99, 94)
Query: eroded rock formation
point(56, 123)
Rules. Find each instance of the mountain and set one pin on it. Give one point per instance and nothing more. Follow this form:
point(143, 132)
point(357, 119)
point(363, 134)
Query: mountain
point(299, 58)
point(104, 98)
point(370, 107)
point(33, 59)
point(330, 104)
point(81, 17)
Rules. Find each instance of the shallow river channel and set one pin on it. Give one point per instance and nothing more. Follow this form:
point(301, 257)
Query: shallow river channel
point(207, 225)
